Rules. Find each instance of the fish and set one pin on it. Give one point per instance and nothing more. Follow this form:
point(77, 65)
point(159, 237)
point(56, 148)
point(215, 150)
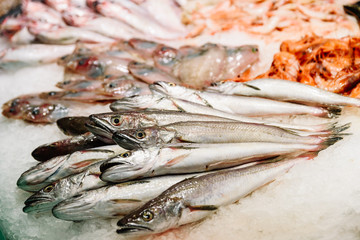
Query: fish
point(59, 167)
point(149, 74)
point(45, 199)
point(244, 105)
point(69, 145)
point(190, 158)
point(73, 126)
point(113, 201)
point(161, 101)
point(196, 198)
point(212, 132)
point(33, 109)
point(285, 91)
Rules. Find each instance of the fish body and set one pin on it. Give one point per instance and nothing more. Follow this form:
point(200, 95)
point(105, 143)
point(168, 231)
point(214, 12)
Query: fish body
point(196, 198)
point(72, 126)
point(59, 167)
point(114, 200)
point(285, 91)
point(191, 158)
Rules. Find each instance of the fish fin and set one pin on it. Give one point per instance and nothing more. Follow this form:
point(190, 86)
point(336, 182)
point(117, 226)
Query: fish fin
point(176, 160)
point(330, 141)
point(116, 201)
point(203, 208)
point(341, 128)
point(251, 86)
point(334, 111)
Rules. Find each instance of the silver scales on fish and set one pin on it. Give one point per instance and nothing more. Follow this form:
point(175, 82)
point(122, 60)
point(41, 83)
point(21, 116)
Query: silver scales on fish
point(179, 142)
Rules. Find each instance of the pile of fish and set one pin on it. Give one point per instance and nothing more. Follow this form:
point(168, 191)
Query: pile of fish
point(108, 72)
point(174, 156)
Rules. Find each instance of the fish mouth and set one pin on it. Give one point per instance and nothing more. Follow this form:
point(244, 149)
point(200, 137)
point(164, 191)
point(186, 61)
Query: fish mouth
point(131, 228)
point(99, 127)
point(126, 141)
point(37, 203)
point(107, 165)
point(157, 87)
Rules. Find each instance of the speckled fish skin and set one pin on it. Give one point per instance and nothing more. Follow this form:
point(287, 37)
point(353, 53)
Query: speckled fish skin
point(192, 158)
point(114, 200)
point(49, 196)
point(208, 132)
point(285, 91)
point(161, 101)
point(47, 172)
point(248, 106)
point(192, 200)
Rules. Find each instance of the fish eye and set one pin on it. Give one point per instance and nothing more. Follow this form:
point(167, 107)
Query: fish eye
point(49, 188)
point(52, 93)
point(35, 111)
point(147, 215)
point(112, 85)
point(171, 84)
point(140, 134)
point(115, 121)
point(125, 154)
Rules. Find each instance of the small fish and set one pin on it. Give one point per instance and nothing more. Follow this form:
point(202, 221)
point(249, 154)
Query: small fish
point(192, 158)
point(72, 126)
point(114, 200)
point(196, 198)
point(59, 167)
point(52, 194)
point(212, 132)
point(247, 106)
point(165, 58)
point(150, 74)
point(285, 91)
point(69, 145)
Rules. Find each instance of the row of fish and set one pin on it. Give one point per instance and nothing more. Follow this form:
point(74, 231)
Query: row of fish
point(160, 168)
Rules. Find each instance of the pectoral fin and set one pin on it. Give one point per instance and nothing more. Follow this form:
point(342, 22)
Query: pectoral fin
point(203, 208)
point(251, 86)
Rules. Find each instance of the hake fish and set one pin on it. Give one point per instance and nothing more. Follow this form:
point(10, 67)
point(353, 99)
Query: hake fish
point(114, 200)
point(47, 172)
point(284, 91)
point(212, 132)
point(192, 158)
point(196, 198)
point(243, 105)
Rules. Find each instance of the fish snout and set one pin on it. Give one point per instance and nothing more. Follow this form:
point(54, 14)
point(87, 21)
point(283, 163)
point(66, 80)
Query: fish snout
point(125, 141)
point(131, 228)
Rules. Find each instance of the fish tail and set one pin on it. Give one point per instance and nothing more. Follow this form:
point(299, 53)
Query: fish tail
point(329, 141)
point(334, 111)
point(338, 129)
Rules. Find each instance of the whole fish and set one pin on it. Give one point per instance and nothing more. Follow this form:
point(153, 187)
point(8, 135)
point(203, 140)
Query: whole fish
point(69, 145)
point(59, 167)
point(285, 91)
point(105, 124)
point(211, 132)
point(161, 101)
point(196, 198)
point(52, 194)
point(114, 200)
point(248, 106)
point(192, 158)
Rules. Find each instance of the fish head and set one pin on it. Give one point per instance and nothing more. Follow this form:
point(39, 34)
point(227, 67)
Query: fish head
point(135, 102)
point(157, 215)
point(165, 57)
point(137, 138)
point(105, 124)
point(15, 107)
point(128, 165)
point(123, 86)
point(45, 113)
point(169, 88)
point(84, 63)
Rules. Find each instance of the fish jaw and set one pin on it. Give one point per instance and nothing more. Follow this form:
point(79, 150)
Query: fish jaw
point(126, 141)
point(39, 203)
point(134, 229)
point(100, 127)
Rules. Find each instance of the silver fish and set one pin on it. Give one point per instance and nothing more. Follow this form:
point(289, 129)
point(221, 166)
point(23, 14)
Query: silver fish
point(248, 106)
point(212, 132)
point(47, 172)
point(191, 158)
point(196, 198)
point(285, 91)
point(114, 200)
point(49, 196)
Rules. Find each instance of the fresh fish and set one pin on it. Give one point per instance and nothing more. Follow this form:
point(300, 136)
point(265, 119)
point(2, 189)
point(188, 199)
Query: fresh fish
point(80, 85)
point(49, 196)
point(68, 145)
point(73, 126)
point(248, 106)
point(161, 101)
point(27, 55)
point(192, 158)
point(114, 200)
point(105, 124)
point(59, 167)
point(33, 109)
point(196, 198)
point(165, 58)
point(150, 74)
point(211, 132)
point(284, 91)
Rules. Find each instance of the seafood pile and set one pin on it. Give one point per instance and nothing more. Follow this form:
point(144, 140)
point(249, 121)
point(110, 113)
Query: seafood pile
point(174, 156)
point(271, 20)
point(107, 72)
